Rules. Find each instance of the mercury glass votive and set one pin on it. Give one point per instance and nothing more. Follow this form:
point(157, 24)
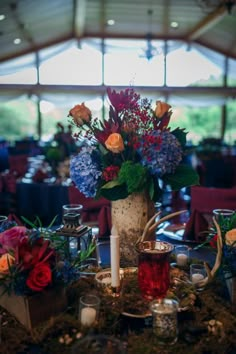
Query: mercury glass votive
point(165, 323)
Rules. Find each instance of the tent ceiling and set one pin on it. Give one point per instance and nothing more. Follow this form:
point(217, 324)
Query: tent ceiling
point(42, 23)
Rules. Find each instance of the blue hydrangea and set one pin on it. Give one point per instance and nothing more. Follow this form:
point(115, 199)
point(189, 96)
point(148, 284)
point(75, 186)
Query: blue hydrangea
point(85, 170)
point(66, 273)
point(162, 158)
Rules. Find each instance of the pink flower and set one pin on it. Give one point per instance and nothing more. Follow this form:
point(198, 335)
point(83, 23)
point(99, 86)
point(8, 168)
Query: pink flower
point(10, 239)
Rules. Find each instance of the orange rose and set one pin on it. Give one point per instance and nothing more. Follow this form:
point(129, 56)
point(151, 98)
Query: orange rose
point(230, 237)
point(80, 114)
point(161, 108)
point(6, 260)
point(115, 143)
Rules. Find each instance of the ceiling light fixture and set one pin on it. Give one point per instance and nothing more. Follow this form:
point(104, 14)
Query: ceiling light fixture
point(150, 50)
point(17, 41)
point(110, 22)
point(174, 24)
point(2, 17)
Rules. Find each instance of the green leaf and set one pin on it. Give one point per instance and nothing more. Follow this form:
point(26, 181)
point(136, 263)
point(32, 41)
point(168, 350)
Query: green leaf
point(111, 184)
point(180, 134)
point(114, 193)
point(134, 175)
point(184, 176)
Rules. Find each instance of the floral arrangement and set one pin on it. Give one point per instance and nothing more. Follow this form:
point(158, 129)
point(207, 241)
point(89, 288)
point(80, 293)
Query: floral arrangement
point(33, 260)
point(133, 150)
point(228, 233)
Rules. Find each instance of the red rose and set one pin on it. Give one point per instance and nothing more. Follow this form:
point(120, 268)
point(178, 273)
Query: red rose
point(39, 277)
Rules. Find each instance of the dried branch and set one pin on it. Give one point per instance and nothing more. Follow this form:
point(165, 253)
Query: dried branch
point(211, 273)
point(149, 228)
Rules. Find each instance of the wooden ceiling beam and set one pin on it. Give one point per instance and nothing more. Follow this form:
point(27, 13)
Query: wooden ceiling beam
point(188, 91)
point(207, 23)
point(79, 16)
point(36, 48)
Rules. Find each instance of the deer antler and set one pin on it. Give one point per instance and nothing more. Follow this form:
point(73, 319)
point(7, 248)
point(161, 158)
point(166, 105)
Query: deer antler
point(211, 272)
point(150, 228)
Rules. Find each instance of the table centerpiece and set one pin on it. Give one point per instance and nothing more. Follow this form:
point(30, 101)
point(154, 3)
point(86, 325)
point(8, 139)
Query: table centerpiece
point(128, 157)
point(222, 238)
point(35, 270)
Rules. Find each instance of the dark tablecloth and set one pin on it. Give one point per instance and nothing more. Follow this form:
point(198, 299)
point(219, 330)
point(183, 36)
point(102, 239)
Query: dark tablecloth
point(42, 200)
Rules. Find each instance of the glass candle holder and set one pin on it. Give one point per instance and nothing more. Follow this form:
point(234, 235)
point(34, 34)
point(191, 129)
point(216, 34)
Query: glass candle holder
point(197, 274)
point(165, 323)
point(71, 215)
point(88, 309)
point(154, 268)
point(222, 213)
point(182, 255)
point(3, 218)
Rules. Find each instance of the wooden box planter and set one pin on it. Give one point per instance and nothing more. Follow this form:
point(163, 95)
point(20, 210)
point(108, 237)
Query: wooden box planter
point(30, 311)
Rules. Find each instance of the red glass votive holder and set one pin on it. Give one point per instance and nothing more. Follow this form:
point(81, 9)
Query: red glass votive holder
point(154, 268)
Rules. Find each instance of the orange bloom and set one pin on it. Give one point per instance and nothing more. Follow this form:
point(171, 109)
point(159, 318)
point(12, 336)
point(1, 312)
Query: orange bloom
point(6, 260)
point(115, 143)
point(230, 237)
point(80, 114)
point(161, 108)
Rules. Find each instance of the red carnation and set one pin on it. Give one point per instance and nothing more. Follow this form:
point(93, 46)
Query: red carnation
point(110, 173)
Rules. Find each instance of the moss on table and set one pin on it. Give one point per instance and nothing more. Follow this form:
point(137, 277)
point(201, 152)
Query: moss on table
point(59, 334)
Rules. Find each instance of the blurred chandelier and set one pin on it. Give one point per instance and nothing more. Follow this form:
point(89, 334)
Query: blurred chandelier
point(210, 5)
point(150, 51)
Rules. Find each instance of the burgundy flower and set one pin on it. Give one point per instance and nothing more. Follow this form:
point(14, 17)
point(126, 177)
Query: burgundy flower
point(30, 254)
point(10, 239)
point(110, 173)
point(123, 100)
point(213, 241)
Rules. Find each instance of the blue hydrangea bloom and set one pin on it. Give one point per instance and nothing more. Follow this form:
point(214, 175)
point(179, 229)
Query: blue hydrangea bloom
point(85, 170)
point(161, 158)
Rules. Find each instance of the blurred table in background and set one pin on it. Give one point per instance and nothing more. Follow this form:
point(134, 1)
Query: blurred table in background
point(41, 199)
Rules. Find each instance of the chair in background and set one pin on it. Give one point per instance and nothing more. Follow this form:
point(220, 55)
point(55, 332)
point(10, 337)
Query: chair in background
point(203, 201)
point(18, 164)
point(95, 212)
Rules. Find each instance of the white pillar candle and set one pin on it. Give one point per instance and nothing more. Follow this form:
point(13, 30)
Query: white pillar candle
point(182, 259)
point(87, 316)
point(196, 277)
point(115, 259)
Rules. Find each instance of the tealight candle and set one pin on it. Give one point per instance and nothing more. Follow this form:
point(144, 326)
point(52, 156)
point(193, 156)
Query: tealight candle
point(197, 274)
point(196, 277)
point(88, 309)
point(88, 316)
point(182, 259)
point(182, 255)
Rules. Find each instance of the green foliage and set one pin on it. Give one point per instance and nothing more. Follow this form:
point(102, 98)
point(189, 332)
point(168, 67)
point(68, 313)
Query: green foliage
point(184, 176)
point(134, 175)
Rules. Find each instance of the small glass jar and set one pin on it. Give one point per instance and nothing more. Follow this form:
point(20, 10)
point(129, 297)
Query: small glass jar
point(165, 323)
